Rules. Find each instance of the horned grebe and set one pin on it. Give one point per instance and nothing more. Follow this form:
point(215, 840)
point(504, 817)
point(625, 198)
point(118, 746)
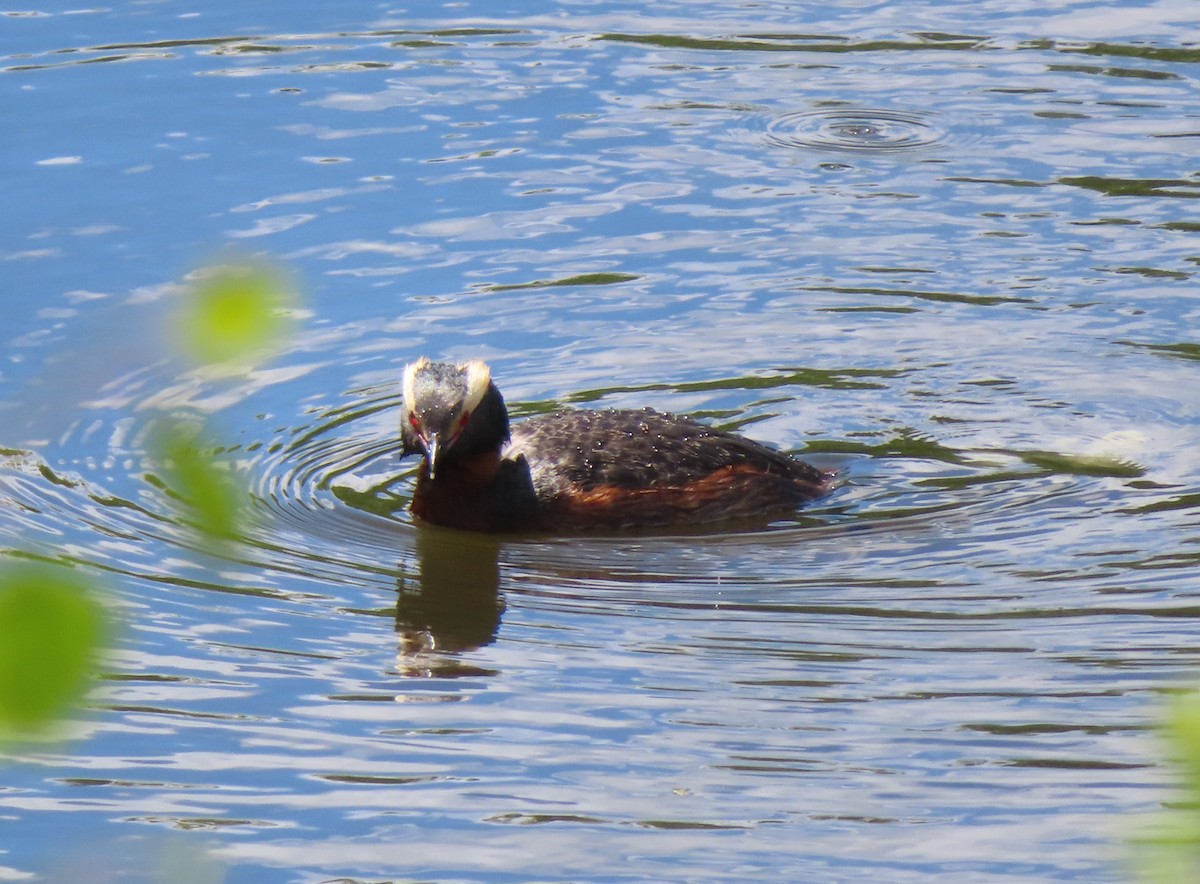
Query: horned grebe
point(581, 469)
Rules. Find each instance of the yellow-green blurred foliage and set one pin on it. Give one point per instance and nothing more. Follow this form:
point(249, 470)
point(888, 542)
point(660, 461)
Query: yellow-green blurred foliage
point(53, 632)
point(230, 317)
point(235, 314)
point(208, 497)
point(1168, 850)
point(53, 628)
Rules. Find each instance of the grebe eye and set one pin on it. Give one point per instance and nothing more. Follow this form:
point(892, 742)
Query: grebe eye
point(462, 421)
point(414, 421)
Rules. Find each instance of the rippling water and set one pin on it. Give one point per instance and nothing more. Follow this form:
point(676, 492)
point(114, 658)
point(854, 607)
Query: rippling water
point(949, 251)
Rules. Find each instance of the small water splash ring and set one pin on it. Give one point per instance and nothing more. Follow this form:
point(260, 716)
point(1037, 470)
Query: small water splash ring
point(859, 130)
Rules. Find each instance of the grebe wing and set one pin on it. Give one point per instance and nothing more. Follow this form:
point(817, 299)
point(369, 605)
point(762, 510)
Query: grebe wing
point(631, 449)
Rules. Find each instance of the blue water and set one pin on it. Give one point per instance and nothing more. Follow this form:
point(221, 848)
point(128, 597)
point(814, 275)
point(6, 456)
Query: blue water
point(947, 249)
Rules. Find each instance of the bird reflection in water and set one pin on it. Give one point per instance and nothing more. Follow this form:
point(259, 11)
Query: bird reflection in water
point(452, 603)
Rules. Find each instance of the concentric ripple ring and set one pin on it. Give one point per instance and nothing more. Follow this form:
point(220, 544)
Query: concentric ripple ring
point(855, 129)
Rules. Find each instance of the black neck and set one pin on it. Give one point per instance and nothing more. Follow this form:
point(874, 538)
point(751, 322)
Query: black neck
point(487, 428)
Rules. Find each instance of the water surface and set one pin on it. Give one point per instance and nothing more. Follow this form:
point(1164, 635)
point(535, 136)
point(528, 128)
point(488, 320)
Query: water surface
point(949, 251)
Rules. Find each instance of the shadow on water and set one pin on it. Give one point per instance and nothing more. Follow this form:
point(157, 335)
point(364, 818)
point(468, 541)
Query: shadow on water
point(452, 603)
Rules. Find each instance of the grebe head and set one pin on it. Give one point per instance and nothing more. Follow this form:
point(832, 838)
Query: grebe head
point(451, 410)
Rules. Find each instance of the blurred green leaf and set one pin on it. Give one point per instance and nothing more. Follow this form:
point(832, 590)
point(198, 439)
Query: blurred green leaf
point(187, 469)
point(53, 630)
point(1167, 850)
point(235, 314)
point(186, 862)
point(1183, 734)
